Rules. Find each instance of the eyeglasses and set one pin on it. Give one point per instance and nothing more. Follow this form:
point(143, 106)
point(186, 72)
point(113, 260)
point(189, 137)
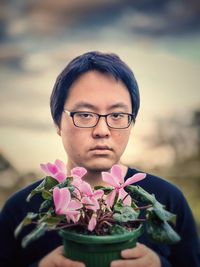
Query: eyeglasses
point(115, 120)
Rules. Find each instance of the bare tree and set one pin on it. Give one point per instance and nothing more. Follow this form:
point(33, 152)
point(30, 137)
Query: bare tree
point(179, 133)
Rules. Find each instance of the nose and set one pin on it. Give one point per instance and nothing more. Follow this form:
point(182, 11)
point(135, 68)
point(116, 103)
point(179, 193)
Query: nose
point(101, 129)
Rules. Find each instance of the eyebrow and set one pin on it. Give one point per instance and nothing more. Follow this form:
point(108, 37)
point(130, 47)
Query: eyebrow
point(82, 104)
point(120, 105)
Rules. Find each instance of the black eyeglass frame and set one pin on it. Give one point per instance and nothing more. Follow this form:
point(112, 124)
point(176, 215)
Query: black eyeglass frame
point(72, 113)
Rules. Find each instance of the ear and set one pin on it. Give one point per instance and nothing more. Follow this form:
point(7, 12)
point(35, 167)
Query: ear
point(58, 131)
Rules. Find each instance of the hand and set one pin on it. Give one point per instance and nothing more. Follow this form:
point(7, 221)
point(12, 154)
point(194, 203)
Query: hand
point(56, 259)
point(140, 256)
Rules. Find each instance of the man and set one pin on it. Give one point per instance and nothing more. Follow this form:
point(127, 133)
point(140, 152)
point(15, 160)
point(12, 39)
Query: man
point(94, 105)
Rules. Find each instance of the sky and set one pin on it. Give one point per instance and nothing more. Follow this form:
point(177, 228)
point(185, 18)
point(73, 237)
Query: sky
point(166, 66)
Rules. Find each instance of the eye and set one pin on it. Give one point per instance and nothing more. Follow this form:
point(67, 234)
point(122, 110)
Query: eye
point(117, 116)
point(84, 115)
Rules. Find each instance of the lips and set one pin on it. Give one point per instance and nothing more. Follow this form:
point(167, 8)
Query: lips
point(100, 148)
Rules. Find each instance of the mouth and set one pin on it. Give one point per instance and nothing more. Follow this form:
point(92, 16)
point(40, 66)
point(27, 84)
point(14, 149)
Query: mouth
point(101, 151)
point(101, 148)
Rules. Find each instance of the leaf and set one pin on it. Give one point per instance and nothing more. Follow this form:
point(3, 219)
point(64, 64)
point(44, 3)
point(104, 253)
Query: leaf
point(26, 221)
point(118, 206)
point(66, 183)
point(162, 233)
point(54, 221)
point(139, 194)
point(47, 184)
point(163, 214)
point(46, 204)
point(117, 230)
point(35, 234)
point(126, 214)
point(51, 219)
point(46, 194)
point(106, 190)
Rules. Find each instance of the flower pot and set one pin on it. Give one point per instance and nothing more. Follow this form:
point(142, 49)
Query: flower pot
point(97, 251)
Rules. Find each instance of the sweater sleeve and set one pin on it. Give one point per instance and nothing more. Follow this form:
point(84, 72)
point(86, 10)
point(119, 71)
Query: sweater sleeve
point(164, 262)
point(186, 252)
point(11, 251)
point(8, 243)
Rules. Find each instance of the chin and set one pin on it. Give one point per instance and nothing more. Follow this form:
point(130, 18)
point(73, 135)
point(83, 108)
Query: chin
point(99, 166)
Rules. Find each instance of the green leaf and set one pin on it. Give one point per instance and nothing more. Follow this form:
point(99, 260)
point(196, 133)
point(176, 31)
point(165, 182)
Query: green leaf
point(35, 234)
point(50, 182)
point(46, 204)
point(51, 219)
point(163, 214)
point(106, 190)
point(118, 206)
point(126, 214)
point(26, 221)
point(66, 183)
point(117, 230)
point(162, 233)
point(47, 184)
point(139, 194)
point(54, 221)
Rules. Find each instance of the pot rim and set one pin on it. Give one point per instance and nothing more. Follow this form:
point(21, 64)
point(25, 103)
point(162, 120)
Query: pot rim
point(82, 238)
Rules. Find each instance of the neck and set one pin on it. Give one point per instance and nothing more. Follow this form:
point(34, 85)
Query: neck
point(94, 177)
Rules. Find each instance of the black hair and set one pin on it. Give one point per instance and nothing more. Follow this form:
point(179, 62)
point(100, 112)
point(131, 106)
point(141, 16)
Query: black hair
point(109, 64)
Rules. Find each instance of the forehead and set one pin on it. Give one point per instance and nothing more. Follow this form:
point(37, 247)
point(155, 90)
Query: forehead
point(99, 91)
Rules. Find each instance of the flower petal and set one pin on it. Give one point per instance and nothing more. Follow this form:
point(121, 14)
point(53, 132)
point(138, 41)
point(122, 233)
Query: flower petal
point(92, 223)
point(60, 177)
point(116, 171)
point(110, 179)
point(90, 203)
point(76, 182)
point(127, 201)
point(78, 172)
point(73, 215)
point(123, 195)
point(61, 166)
point(74, 205)
point(135, 178)
point(56, 196)
point(45, 169)
point(86, 189)
point(52, 168)
point(61, 199)
point(110, 199)
point(98, 193)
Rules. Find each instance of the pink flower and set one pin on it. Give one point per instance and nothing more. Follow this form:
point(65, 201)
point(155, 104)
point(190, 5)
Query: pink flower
point(90, 197)
point(78, 172)
point(84, 191)
point(116, 180)
point(64, 205)
point(92, 223)
point(57, 170)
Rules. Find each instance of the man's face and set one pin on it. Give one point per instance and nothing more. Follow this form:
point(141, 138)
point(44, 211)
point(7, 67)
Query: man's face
point(97, 148)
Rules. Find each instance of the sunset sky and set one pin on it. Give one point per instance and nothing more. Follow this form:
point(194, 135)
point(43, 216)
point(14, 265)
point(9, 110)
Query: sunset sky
point(166, 66)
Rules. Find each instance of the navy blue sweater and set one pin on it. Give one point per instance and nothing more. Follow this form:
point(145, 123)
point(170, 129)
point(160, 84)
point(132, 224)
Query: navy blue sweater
point(183, 254)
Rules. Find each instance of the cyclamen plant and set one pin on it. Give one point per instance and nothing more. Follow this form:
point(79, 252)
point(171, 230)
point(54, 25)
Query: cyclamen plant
point(69, 202)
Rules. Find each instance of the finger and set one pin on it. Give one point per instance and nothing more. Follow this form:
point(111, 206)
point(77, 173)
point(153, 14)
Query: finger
point(70, 263)
point(59, 250)
point(64, 262)
point(139, 251)
point(67, 262)
point(127, 263)
point(56, 259)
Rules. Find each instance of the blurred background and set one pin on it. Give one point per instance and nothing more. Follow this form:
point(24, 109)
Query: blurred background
point(160, 41)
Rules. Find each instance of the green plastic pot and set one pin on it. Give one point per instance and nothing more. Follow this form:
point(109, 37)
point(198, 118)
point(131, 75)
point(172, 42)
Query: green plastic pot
point(97, 251)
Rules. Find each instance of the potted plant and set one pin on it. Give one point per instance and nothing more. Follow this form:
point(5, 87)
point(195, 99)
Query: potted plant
point(96, 224)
